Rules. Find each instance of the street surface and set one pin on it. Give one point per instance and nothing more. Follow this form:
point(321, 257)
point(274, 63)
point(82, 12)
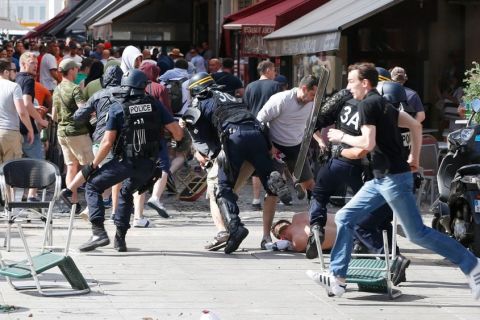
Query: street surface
point(166, 274)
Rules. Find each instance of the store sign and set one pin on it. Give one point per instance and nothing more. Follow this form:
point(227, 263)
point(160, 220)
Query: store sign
point(252, 40)
point(304, 44)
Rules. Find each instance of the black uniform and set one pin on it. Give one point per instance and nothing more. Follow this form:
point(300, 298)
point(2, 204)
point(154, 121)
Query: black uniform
point(226, 130)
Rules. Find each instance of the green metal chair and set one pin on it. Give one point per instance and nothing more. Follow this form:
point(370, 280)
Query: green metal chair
point(40, 174)
point(371, 272)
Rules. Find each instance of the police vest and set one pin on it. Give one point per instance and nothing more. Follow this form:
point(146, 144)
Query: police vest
point(228, 110)
point(406, 138)
point(349, 119)
point(141, 132)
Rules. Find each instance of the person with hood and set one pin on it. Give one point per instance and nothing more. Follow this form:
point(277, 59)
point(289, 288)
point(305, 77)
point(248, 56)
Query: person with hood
point(97, 85)
point(98, 104)
point(131, 58)
point(155, 89)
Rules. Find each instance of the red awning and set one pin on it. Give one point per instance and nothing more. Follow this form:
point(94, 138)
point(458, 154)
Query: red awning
point(277, 14)
point(259, 20)
point(43, 29)
point(250, 10)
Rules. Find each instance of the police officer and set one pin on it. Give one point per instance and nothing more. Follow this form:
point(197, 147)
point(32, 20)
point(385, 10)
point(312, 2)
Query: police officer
point(133, 129)
point(99, 105)
point(223, 128)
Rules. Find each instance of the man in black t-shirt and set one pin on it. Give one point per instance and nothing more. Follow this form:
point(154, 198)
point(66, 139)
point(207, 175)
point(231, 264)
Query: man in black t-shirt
point(233, 85)
point(392, 184)
point(26, 81)
point(256, 95)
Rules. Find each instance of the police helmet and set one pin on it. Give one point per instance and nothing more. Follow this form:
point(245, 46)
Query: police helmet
point(383, 74)
point(136, 80)
point(394, 93)
point(199, 82)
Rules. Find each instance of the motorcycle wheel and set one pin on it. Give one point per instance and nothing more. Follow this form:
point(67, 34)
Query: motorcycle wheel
point(475, 246)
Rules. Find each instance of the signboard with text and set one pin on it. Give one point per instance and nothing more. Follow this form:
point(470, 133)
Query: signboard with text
point(252, 40)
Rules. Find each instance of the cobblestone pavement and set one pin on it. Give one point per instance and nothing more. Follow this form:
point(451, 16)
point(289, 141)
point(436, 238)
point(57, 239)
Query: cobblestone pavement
point(166, 274)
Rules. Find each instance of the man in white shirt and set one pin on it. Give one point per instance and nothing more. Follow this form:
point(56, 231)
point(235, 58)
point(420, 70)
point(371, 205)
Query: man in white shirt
point(287, 113)
point(72, 53)
point(49, 75)
point(13, 107)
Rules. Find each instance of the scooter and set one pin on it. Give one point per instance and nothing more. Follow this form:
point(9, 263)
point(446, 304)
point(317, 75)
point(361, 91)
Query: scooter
point(457, 209)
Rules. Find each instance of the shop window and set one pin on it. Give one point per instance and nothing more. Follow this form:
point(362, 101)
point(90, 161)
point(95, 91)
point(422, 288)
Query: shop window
point(42, 14)
point(20, 13)
point(244, 3)
point(31, 13)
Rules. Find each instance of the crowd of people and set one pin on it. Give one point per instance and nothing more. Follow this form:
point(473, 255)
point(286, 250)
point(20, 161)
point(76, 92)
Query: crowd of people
point(113, 111)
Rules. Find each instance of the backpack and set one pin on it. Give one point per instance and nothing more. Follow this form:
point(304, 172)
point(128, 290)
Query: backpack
point(174, 88)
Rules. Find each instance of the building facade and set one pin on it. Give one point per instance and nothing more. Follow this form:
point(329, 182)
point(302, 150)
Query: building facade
point(30, 13)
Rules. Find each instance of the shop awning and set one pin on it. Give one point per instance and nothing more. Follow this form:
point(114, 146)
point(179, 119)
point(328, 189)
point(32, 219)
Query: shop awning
point(274, 15)
point(102, 28)
point(108, 19)
point(320, 29)
point(259, 20)
point(81, 8)
point(45, 27)
point(78, 26)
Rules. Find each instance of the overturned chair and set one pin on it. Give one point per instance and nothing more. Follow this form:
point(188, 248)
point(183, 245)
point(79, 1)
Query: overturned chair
point(371, 272)
point(40, 174)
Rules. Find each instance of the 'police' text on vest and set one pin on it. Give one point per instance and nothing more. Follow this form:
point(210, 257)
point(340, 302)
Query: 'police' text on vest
point(140, 108)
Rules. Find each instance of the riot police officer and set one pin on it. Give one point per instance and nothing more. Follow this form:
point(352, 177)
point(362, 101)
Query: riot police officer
point(344, 165)
point(222, 127)
point(133, 129)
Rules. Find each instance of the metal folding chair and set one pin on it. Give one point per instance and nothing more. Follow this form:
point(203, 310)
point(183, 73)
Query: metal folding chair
point(26, 174)
point(371, 272)
point(429, 165)
point(40, 174)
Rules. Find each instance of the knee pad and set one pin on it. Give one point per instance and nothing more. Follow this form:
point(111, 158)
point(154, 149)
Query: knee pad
point(227, 204)
point(276, 183)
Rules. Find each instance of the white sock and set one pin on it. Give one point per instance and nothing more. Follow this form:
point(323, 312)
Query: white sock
point(256, 201)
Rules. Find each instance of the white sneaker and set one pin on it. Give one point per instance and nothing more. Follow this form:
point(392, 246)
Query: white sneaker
point(141, 223)
point(474, 280)
point(157, 205)
point(327, 280)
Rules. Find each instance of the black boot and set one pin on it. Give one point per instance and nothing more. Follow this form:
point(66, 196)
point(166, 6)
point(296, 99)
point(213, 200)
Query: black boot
point(311, 251)
point(237, 233)
point(399, 265)
point(99, 238)
point(119, 243)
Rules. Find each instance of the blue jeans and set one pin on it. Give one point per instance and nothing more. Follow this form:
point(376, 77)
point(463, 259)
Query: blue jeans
point(396, 190)
point(34, 150)
point(329, 177)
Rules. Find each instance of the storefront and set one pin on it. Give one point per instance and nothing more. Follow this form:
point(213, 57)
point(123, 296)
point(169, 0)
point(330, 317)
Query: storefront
point(320, 38)
point(146, 22)
point(244, 31)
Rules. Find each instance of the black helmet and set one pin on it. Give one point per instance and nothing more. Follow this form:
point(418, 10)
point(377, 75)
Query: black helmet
point(199, 82)
point(136, 80)
point(394, 93)
point(383, 74)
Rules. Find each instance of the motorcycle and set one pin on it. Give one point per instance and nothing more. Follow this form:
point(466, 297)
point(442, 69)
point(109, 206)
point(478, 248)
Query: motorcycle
point(457, 209)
